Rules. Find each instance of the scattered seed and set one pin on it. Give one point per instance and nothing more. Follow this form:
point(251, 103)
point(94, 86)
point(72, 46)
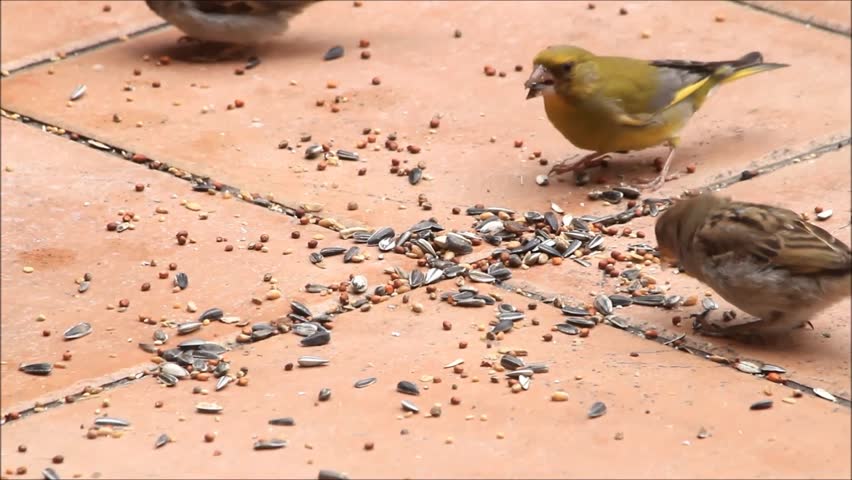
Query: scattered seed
point(761, 405)
point(366, 382)
point(598, 409)
point(333, 53)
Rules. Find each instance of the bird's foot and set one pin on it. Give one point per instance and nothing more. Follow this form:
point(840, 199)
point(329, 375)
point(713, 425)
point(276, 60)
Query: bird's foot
point(582, 164)
point(653, 185)
point(215, 52)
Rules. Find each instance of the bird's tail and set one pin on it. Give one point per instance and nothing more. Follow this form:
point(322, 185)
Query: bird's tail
point(749, 64)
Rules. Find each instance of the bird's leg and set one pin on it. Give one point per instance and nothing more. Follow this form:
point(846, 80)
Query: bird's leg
point(213, 52)
point(661, 178)
point(591, 160)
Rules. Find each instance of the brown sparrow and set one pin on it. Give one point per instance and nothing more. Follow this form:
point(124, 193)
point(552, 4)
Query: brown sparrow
point(228, 25)
point(766, 261)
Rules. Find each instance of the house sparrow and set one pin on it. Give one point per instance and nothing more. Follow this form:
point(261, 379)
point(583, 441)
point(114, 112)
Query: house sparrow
point(618, 104)
point(229, 25)
point(766, 261)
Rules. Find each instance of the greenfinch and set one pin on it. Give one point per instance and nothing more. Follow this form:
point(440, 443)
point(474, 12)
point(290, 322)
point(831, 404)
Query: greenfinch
point(619, 104)
point(764, 260)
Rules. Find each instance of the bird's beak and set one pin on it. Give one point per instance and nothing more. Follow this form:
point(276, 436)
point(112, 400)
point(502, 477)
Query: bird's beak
point(538, 81)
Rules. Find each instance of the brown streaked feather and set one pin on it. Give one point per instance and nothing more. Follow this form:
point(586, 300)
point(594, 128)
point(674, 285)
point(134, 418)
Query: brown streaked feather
point(776, 236)
point(252, 7)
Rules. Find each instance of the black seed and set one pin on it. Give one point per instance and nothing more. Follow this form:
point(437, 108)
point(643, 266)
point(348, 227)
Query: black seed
point(366, 382)
point(162, 440)
point(283, 422)
point(567, 329)
point(761, 405)
point(37, 368)
point(181, 280)
point(212, 314)
point(77, 331)
point(269, 444)
point(415, 175)
point(321, 337)
point(324, 394)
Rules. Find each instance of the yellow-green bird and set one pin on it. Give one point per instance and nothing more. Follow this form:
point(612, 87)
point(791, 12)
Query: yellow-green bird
point(619, 104)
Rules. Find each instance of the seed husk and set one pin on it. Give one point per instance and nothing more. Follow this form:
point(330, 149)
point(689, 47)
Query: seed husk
point(50, 474)
point(620, 300)
point(761, 405)
point(223, 381)
point(208, 407)
point(78, 93)
point(746, 366)
point(768, 368)
point(324, 394)
point(181, 280)
point(824, 394)
point(333, 53)
point(649, 300)
point(42, 369)
point(83, 287)
point(365, 382)
point(111, 422)
point(410, 407)
point(188, 327)
point(283, 422)
point(162, 440)
point(311, 361)
point(511, 362)
point(603, 304)
point(78, 331)
point(597, 409)
point(574, 311)
point(300, 309)
point(270, 444)
point(408, 388)
point(415, 175)
point(581, 322)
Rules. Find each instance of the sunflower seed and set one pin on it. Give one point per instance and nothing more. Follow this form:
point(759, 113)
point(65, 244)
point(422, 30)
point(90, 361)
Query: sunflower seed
point(824, 394)
point(598, 409)
point(708, 303)
point(379, 234)
point(511, 362)
point(181, 280)
point(348, 156)
point(208, 407)
point(324, 394)
point(672, 301)
point(359, 284)
point(78, 93)
point(321, 337)
point(83, 287)
point(167, 379)
point(520, 372)
point(603, 304)
point(50, 474)
point(310, 361)
point(148, 347)
point(620, 300)
point(480, 277)
point(538, 367)
point(111, 422)
point(407, 388)
point(300, 309)
point(703, 433)
point(415, 175)
point(581, 322)
point(162, 440)
point(761, 405)
point(567, 329)
point(313, 152)
point(574, 311)
point(649, 300)
point(365, 382)
point(283, 422)
point(315, 258)
point(511, 316)
point(43, 368)
point(748, 367)
point(629, 193)
point(188, 327)
point(305, 329)
point(524, 381)
point(617, 322)
point(351, 253)
point(502, 326)
point(767, 368)
point(331, 475)
point(77, 331)
point(270, 444)
point(612, 196)
point(333, 53)
point(455, 362)
point(174, 370)
point(410, 407)
point(223, 382)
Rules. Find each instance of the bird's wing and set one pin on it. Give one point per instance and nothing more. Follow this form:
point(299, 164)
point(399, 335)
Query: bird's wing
point(775, 236)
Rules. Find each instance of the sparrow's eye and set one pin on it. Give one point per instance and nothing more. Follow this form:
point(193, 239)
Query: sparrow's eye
point(567, 66)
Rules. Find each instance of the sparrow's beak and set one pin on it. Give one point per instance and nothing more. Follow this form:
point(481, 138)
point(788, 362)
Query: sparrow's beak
point(539, 80)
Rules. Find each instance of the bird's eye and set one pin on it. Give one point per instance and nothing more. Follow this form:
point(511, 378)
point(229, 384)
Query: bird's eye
point(567, 66)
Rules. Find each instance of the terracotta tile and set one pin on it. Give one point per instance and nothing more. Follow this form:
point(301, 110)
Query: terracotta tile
point(658, 400)
point(58, 228)
point(744, 125)
point(832, 14)
point(817, 358)
point(34, 31)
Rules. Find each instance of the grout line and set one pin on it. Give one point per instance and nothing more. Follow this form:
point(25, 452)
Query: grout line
point(86, 49)
point(675, 343)
point(807, 21)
